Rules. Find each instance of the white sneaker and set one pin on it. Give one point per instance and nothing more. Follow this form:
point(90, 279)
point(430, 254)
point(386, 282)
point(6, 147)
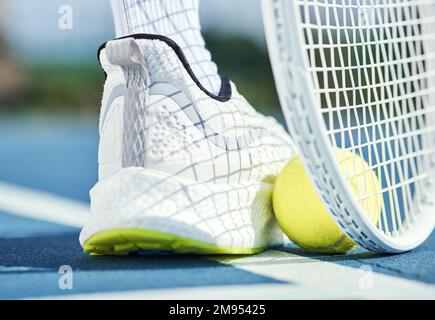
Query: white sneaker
point(179, 168)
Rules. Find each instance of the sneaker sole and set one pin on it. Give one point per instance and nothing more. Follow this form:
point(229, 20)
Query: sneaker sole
point(125, 241)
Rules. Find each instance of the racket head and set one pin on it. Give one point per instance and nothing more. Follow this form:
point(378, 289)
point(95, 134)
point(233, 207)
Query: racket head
point(388, 125)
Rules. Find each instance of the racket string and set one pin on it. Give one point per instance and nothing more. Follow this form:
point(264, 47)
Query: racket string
point(370, 71)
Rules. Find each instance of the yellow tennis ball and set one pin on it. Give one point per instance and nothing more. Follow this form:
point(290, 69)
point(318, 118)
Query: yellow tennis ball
point(301, 213)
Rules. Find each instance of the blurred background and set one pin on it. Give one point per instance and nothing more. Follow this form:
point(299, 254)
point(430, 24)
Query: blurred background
point(48, 64)
point(51, 83)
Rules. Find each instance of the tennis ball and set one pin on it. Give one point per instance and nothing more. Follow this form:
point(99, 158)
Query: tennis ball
point(301, 213)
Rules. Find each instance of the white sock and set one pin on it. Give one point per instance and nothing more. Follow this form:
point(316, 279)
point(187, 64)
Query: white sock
point(176, 19)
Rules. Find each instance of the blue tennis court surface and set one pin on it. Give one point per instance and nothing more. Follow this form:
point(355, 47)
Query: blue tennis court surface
point(46, 169)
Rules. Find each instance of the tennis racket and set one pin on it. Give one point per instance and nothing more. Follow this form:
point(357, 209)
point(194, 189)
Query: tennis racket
point(359, 76)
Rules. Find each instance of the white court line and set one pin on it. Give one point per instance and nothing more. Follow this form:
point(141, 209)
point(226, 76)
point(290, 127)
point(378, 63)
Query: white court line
point(7, 269)
point(313, 275)
point(385, 287)
point(227, 292)
point(40, 205)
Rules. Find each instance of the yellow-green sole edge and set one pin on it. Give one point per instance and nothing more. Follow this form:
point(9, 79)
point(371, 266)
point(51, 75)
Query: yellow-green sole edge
point(125, 241)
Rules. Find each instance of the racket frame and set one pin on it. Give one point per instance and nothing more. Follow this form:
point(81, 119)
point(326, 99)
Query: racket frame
point(306, 125)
